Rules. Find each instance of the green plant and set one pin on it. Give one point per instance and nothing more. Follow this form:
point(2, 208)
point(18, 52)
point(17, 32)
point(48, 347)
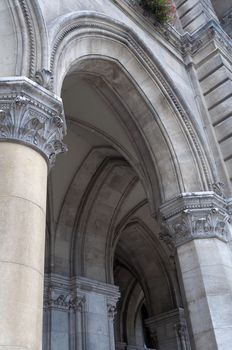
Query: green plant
point(164, 11)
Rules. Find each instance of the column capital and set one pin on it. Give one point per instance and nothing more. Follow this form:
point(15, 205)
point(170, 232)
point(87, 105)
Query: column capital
point(197, 215)
point(31, 115)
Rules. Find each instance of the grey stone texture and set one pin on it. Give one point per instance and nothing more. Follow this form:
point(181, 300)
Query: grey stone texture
point(132, 225)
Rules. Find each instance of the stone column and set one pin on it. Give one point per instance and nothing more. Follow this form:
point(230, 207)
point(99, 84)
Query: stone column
point(31, 132)
point(197, 226)
point(194, 14)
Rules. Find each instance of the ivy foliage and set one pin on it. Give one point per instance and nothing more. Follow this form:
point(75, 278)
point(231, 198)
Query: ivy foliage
point(163, 11)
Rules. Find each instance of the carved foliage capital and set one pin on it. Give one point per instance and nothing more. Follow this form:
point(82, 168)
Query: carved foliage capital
point(31, 116)
point(195, 216)
point(66, 302)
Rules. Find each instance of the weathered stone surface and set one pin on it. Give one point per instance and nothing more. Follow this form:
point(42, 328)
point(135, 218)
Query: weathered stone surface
point(148, 110)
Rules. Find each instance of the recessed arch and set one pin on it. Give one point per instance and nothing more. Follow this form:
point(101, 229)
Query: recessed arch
point(164, 123)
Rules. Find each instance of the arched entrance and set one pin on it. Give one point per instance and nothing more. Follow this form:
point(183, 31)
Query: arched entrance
point(135, 215)
point(129, 151)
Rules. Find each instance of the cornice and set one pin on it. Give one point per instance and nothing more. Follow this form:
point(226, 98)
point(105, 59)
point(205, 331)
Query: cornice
point(81, 286)
point(31, 115)
point(182, 43)
point(64, 302)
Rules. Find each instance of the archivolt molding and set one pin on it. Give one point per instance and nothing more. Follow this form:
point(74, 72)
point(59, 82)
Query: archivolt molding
point(104, 27)
point(31, 37)
point(35, 43)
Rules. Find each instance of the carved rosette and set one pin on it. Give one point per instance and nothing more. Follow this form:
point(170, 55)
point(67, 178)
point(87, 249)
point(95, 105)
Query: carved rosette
point(32, 116)
point(194, 216)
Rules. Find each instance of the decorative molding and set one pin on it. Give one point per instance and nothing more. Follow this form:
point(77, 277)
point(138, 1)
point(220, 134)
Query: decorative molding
point(121, 33)
point(31, 36)
point(31, 116)
point(66, 302)
point(194, 216)
point(110, 291)
point(218, 188)
point(79, 287)
point(44, 78)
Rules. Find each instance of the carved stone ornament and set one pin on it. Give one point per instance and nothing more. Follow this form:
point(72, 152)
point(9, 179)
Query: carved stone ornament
point(65, 302)
point(44, 78)
point(111, 308)
point(31, 116)
point(194, 216)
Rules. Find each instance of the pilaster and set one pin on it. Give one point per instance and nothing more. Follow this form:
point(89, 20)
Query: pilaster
point(79, 309)
point(197, 226)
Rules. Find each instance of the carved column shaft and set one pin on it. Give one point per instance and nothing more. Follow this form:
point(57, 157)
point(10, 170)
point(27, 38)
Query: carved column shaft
point(197, 226)
point(31, 133)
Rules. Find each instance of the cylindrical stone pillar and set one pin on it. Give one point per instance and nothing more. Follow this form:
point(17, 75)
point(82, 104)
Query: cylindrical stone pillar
point(22, 229)
point(30, 137)
point(197, 225)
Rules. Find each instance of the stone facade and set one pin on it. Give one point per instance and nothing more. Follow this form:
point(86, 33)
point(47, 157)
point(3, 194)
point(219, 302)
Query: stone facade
point(123, 242)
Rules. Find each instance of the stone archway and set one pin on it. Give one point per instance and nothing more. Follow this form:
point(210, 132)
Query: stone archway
point(130, 149)
point(132, 201)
